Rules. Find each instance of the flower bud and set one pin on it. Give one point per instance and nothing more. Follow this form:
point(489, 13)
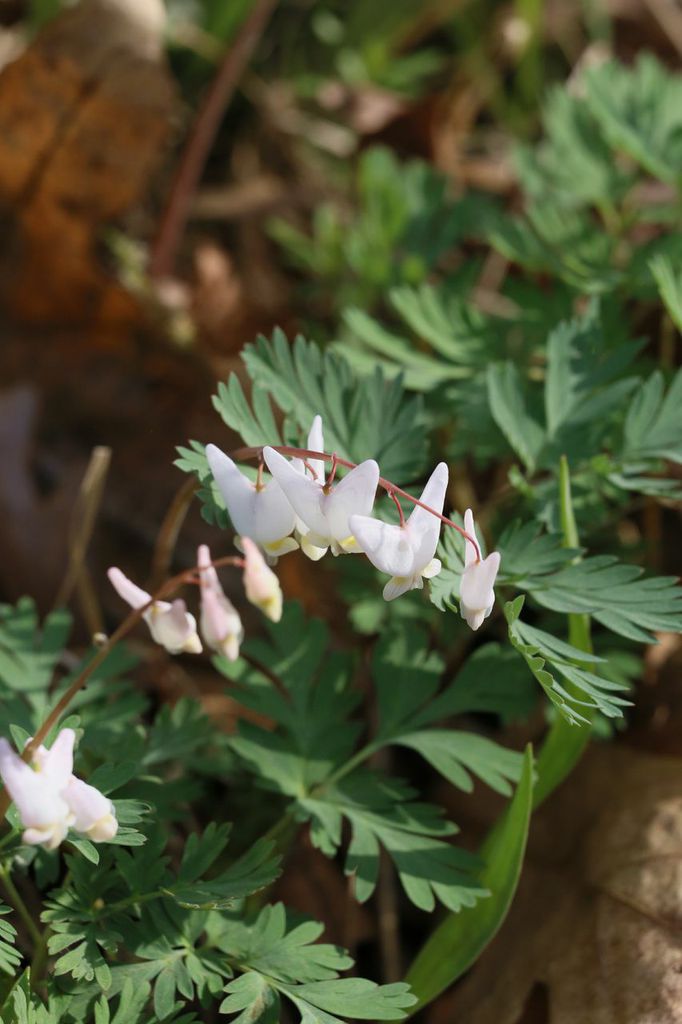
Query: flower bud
point(221, 626)
point(170, 624)
point(260, 583)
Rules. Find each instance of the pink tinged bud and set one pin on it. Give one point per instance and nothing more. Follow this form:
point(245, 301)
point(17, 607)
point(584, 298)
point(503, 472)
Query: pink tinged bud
point(45, 815)
point(221, 626)
point(170, 624)
point(476, 594)
point(260, 583)
point(93, 813)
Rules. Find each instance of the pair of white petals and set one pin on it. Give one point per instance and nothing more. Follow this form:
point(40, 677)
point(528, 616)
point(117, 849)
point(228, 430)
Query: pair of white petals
point(476, 593)
point(293, 502)
point(50, 799)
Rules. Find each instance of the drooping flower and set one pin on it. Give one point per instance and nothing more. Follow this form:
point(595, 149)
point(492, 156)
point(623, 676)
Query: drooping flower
point(93, 812)
point(221, 626)
point(50, 799)
point(317, 472)
point(476, 594)
point(406, 552)
point(170, 624)
point(258, 511)
point(260, 583)
point(325, 510)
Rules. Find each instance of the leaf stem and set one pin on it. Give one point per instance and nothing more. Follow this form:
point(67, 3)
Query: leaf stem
point(565, 742)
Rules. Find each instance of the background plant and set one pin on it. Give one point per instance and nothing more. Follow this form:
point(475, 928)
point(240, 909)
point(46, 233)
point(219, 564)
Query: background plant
point(529, 341)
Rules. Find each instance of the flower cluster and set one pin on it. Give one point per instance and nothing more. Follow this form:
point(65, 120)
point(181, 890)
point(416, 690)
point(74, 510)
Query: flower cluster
point(50, 799)
point(303, 507)
point(175, 628)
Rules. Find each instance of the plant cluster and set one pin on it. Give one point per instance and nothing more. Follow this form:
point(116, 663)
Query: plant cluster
point(129, 897)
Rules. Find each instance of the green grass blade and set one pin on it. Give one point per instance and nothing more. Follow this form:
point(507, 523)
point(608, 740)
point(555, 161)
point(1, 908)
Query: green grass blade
point(459, 940)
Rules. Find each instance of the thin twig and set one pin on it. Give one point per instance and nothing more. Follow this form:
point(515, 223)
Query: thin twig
point(242, 454)
point(168, 534)
point(202, 137)
point(83, 520)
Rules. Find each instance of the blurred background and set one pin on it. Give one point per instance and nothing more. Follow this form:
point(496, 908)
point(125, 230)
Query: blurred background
point(176, 178)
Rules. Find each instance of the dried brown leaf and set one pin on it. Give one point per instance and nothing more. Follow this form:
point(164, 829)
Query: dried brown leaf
point(598, 918)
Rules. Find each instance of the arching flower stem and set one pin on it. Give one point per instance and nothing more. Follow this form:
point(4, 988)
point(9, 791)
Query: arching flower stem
point(182, 578)
point(391, 489)
point(396, 501)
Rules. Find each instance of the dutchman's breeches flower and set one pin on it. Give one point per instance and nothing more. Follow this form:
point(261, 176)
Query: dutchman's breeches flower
point(170, 624)
point(259, 511)
point(317, 471)
point(260, 583)
point(476, 594)
point(221, 626)
point(406, 552)
point(49, 797)
point(325, 509)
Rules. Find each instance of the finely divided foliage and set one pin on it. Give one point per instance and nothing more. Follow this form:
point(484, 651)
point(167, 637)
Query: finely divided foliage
point(338, 735)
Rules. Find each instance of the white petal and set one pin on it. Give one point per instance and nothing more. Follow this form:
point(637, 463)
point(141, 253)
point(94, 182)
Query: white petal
point(93, 812)
point(474, 619)
point(478, 579)
point(304, 494)
point(265, 514)
point(125, 588)
point(38, 802)
point(260, 583)
point(399, 585)
point(312, 551)
point(274, 518)
point(387, 546)
point(424, 527)
point(221, 626)
point(279, 548)
point(237, 491)
point(316, 444)
point(174, 628)
point(470, 527)
point(354, 495)
point(432, 569)
point(57, 763)
point(208, 577)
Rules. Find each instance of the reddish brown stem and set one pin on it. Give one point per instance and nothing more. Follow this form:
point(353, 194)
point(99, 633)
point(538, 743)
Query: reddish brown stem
point(187, 576)
point(202, 137)
point(396, 502)
point(242, 454)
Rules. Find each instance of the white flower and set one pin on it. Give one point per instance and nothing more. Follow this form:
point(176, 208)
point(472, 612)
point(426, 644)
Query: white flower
point(50, 799)
point(221, 626)
point(93, 812)
point(170, 624)
point(318, 471)
point(325, 510)
point(259, 512)
point(406, 552)
point(260, 583)
point(476, 594)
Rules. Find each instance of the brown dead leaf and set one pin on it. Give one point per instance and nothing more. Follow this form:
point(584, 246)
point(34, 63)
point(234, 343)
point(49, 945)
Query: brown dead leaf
point(84, 113)
point(597, 922)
